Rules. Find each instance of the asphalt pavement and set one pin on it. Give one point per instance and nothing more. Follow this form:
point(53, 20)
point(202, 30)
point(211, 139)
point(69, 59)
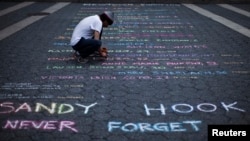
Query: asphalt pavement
point(173, 71)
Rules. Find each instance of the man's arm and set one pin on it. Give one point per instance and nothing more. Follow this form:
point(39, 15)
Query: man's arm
point(96, 35)
point(101, 49)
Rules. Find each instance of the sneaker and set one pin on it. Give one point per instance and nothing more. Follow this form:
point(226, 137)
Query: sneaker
point(82, 60)
point(96, 53)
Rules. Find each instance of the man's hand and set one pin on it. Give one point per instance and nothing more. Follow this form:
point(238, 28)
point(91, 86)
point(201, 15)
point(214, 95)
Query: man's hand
point(103, 52)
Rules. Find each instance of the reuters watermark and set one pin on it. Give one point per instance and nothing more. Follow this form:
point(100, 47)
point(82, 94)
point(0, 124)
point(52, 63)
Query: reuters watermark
point(240, 132)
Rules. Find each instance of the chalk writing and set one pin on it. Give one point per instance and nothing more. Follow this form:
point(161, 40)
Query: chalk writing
point(103, 77)
point(60, 44)
point(54, 108)
point(70, 97)
point(137, 48)
point(25, 96)
point(230, 55)
point(62, 77)
point(187, 108)
point(182, 126)
point(74, 86)
point(184, 63)
point(29, 86)
point(234, 63)
point(10, 95)
point(241, 72)
point(60, 51)
point(48, 67)
point(40, 125)
point(203, 73)
point(60, 59)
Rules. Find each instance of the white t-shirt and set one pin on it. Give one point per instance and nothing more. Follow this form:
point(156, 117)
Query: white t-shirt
point(86, 28)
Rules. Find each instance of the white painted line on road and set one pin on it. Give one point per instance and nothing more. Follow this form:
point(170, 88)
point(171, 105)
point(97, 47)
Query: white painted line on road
point(6, 32)
point(232, 25)
point(15, 7)
point(235, 9)
point(56, 7)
